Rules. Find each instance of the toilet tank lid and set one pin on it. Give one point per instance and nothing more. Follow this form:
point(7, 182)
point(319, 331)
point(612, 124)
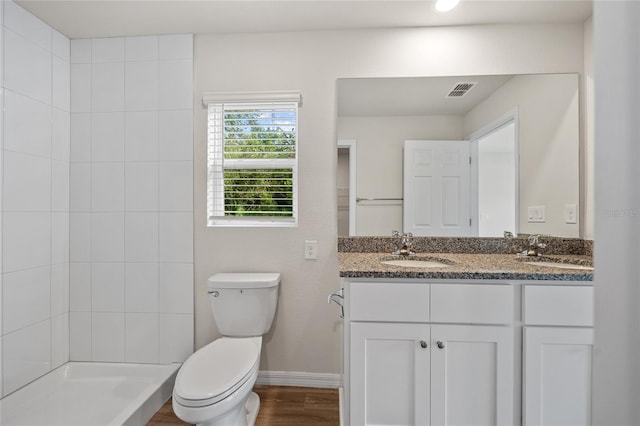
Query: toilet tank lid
point(244, 280)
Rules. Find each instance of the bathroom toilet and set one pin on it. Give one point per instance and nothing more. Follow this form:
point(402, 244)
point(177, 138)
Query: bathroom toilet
point(214, 385)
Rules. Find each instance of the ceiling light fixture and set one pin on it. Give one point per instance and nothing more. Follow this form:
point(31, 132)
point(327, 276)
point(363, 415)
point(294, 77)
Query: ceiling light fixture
point(446, 5)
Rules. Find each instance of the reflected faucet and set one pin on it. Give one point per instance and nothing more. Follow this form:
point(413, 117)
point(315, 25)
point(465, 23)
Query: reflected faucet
point(535, 246)
point(405, 246)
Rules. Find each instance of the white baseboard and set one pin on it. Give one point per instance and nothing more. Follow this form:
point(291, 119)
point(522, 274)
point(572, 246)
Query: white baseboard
point(296, 378)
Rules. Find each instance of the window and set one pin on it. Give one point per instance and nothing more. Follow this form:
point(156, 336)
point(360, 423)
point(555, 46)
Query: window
point(252, 159)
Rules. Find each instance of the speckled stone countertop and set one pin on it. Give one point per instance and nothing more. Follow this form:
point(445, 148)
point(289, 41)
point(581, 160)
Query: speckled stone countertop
point(466, 266)
point(554, 245)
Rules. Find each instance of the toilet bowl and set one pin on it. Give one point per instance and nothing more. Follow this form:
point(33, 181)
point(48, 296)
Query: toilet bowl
point(213, 387)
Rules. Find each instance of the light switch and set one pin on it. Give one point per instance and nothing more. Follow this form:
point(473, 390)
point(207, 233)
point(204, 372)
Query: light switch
point(310, 249)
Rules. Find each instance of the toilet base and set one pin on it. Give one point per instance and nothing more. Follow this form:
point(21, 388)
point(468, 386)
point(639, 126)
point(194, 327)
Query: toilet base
point(252, 406)
point(242, 416)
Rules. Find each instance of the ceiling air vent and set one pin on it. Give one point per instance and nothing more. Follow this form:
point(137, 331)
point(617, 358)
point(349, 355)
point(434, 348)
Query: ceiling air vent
point(460, 89)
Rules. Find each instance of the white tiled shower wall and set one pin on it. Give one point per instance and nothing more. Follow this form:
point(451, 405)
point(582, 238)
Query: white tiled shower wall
point(131, 199)
point(35, 198)
point(97, 257)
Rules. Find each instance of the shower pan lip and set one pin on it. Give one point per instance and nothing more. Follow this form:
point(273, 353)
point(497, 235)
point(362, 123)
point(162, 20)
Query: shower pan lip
point(91, 393)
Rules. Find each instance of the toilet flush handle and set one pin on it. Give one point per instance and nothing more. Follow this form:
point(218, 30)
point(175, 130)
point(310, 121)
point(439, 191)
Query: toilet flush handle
point(214, 293)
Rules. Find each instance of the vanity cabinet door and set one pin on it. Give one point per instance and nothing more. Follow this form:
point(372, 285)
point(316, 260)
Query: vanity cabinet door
point(389, 374)
point(557, 376)
point(472, 378)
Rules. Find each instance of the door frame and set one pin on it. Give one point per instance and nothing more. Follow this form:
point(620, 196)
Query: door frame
point(504, 120)
point(350, 144)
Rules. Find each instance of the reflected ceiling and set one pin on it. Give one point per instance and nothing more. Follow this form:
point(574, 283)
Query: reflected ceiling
point(375, 97)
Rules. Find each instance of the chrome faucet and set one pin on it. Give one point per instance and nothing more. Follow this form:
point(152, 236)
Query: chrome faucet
point(535, 246)
point(405, 246)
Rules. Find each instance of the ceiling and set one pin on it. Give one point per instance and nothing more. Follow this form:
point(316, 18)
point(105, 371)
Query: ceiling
point(108, 18)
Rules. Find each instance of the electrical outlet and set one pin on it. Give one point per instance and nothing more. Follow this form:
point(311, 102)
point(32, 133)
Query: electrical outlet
point(310, 249)
point(536, 214)
point(570, 213)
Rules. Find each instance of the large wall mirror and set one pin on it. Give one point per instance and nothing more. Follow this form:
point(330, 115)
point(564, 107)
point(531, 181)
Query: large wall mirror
point(523, 137)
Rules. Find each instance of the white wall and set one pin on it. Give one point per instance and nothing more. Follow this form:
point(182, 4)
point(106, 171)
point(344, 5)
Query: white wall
point(34, 310)
point(548, 141)
point(131, 274)
point(616, 366)
point(306, 334)
point(379, 172)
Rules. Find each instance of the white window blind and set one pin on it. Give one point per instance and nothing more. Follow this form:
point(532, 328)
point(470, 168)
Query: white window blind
point(252, 162)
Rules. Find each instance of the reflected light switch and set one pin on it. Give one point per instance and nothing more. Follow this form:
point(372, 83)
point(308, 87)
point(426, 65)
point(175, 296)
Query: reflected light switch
point(570, 213)
point(536, 214)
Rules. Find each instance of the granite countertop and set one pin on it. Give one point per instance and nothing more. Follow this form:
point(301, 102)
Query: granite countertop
point(466, 266)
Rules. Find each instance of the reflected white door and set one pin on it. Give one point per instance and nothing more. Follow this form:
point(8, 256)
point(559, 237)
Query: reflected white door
point(437, 188)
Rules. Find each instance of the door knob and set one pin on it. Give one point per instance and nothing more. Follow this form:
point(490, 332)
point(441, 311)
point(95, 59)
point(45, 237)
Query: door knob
point(440, 344)
point(423, 344)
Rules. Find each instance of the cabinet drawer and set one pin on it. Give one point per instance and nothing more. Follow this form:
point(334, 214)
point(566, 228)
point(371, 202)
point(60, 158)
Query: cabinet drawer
point(395, 302)
point(558, 305)
point(472, 303)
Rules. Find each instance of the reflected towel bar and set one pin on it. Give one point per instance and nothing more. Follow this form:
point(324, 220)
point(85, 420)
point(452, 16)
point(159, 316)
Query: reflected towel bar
point(378, 199)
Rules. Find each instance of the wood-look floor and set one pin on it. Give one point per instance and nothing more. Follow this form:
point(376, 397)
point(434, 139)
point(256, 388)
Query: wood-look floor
point(279, 406)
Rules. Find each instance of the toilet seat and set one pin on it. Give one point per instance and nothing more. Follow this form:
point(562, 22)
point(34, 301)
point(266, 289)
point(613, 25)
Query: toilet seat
point(217, 370)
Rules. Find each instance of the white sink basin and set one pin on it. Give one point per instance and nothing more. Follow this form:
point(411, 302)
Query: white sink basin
point(417, 263)
point(561, 265)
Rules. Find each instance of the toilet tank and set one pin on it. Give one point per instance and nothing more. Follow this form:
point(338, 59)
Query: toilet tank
point(244, 304)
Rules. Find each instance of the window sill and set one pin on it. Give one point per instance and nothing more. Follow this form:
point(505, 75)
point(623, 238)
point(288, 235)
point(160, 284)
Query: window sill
point(251, 223)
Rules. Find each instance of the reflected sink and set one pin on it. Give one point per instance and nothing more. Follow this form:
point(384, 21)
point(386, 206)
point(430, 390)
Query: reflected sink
point(416, 263)
point(561, 265)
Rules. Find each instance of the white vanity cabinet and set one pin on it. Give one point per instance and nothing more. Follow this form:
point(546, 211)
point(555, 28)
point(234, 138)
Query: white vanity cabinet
point(422, 353)
point(557, 350)
point(390, 373)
